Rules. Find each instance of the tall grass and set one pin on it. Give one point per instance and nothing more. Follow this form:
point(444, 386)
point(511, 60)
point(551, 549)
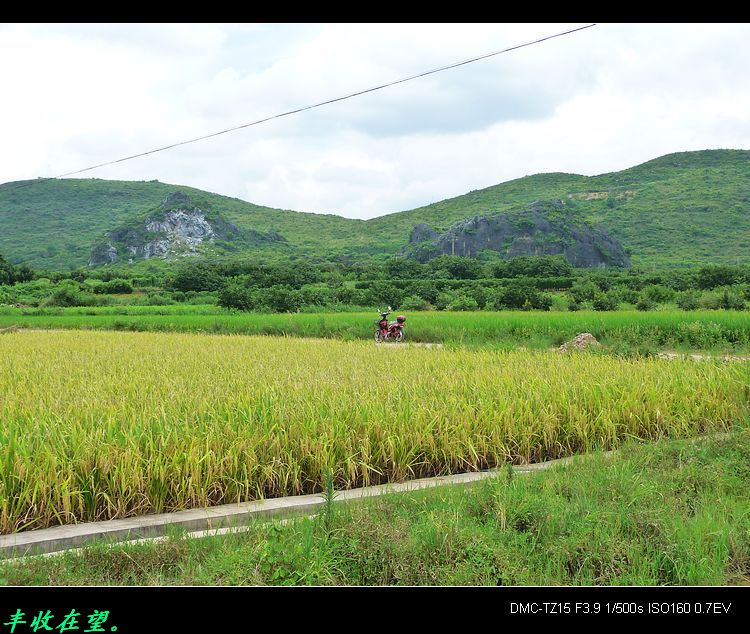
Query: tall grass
point(99, 425)
point(706, 330)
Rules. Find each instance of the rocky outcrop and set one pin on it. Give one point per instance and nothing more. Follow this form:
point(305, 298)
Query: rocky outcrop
point(182, 230)
point(103, 253)
point(581, 342)
point(422, 232)
point(177, 229)
point(539, 229)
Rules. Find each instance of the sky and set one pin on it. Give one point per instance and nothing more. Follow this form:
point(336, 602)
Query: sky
point(592, 102)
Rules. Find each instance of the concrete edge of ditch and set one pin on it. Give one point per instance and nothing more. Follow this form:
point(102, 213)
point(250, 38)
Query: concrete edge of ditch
point(216, 519)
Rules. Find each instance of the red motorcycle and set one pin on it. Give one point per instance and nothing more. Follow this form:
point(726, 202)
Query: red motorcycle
point(393, 330)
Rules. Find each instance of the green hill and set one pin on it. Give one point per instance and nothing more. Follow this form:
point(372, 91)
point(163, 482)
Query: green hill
point(54, 224)
point(677, 210)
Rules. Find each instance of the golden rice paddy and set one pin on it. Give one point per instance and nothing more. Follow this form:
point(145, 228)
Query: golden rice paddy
point(102, 425)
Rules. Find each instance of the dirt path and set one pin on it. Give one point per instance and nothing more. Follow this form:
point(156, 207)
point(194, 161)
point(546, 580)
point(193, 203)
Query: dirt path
point(669, 355)
point(411, 344)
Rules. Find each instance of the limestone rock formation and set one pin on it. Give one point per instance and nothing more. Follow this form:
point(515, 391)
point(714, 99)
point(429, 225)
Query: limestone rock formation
point(539, 229)
point(177, 228)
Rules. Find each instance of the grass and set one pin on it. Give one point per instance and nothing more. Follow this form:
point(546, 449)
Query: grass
point(101, 425)
point(624, 331)
point(666, 513)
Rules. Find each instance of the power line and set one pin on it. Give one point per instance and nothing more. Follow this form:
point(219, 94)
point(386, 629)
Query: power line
point(316, 105)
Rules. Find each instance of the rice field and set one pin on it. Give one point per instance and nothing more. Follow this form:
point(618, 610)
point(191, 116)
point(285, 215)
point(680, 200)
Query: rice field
point(728, 331)
point(663, 513)
point(102, 425)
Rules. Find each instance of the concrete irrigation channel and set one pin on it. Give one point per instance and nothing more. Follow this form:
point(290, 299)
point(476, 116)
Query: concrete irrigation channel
point(216, 520)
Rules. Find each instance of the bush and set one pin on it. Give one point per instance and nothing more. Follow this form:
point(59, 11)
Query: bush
point(477, 292)
point(680, 280)
point(732, 301)
point(722, 275)
point(383, 293)
point(604, 280)
point(584, 291)
point(66, 295)
point(645, 304)
point(351, 296)
point(116, 286)
point(657, 293)
point(196, 276)
point(402, 268)
point(626, 295)
point(202, 297)
point(235, 296)
point(316, 296)
point(710, 301)
point(427, 290)
point(281, 299)
point(688, 301)
point(604, 302)
point(744, 290)
point(158, 299)
point(542, 301)
point(457, 267)
point(558, 303)
point(413, 302)
point(443, 300)
point(515, 295)
point(463, 302)
point(10, 274)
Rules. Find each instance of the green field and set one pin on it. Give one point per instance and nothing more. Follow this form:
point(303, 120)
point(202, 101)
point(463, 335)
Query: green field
point(624, 331)
point(662, 513)
point(99, 425)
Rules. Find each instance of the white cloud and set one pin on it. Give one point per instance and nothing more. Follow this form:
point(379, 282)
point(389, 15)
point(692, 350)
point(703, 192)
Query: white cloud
point(596, 101)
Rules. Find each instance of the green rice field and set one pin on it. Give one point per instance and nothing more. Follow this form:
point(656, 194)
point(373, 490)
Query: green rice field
point(726, 331)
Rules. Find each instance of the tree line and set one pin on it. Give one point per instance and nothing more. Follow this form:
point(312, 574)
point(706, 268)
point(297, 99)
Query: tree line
point(444, 283)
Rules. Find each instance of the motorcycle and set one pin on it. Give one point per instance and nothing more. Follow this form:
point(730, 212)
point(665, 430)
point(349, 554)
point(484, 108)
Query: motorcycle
point(393, 330)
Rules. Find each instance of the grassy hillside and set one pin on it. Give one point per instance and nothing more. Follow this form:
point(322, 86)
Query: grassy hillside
point(53, 224)
point(677, 210)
